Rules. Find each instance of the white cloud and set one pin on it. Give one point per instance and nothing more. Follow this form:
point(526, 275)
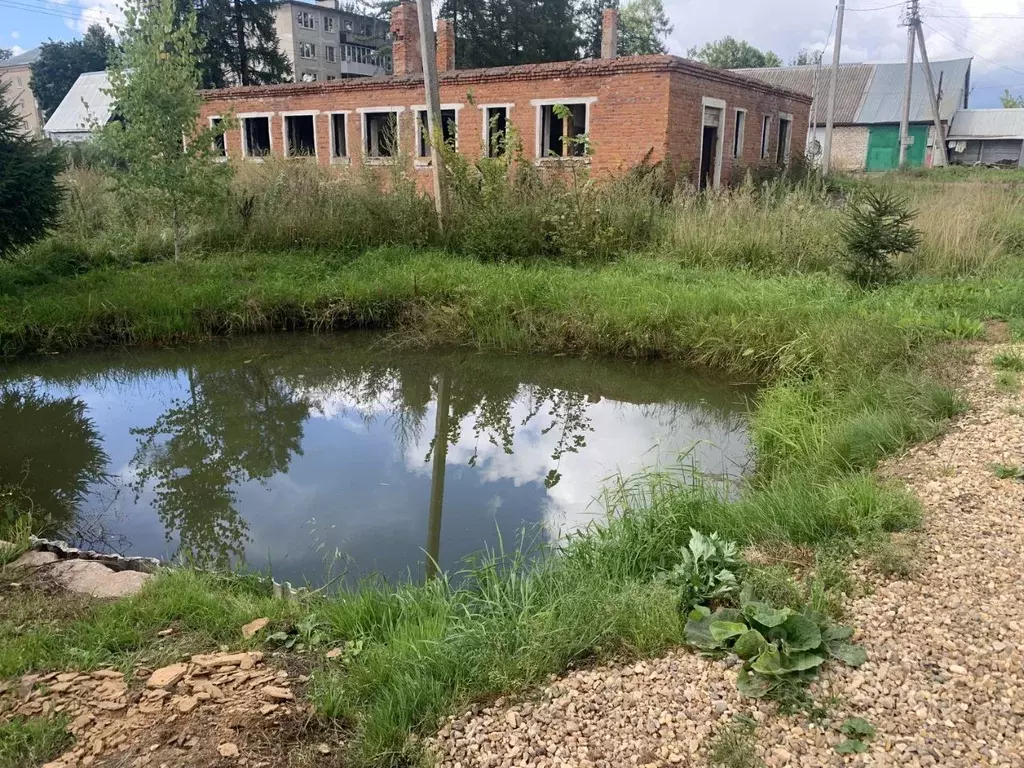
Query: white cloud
point(106, 13)
point(15, 35)
point(17, 50)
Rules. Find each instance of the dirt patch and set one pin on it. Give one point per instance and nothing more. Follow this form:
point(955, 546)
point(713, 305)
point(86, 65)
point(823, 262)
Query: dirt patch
point(213, 710)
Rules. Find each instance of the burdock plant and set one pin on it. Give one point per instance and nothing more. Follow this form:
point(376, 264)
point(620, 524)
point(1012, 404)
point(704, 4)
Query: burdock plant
point(876, 230)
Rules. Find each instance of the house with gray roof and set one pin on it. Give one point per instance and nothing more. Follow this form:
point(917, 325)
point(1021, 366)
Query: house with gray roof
point(987, 137)
point(17, 73)
point(869, 105)
point(86, 106)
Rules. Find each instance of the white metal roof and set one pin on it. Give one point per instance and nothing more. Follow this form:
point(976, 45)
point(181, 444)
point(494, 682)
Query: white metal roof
point(85, 106)
point(987, 124)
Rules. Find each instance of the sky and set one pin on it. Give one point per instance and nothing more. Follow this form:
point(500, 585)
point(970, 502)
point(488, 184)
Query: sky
point(992, 31)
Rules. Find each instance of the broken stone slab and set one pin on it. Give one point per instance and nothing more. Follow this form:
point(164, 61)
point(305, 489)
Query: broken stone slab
point(63, 550)
point(33, 559)
point(274, 692)
point(254, 626)
point(211, 660)
point(167, 677)
point(95, 579)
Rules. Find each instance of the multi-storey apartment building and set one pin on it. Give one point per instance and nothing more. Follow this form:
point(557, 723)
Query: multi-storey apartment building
point(325, 42)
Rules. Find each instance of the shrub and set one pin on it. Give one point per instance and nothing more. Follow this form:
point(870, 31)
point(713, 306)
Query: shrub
point(707, 570)
point(876, 230)
point(29, 193)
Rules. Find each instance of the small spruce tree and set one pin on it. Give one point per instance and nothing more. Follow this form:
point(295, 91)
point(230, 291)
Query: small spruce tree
point(877, 229)
point(168, 161)
point(30, 193)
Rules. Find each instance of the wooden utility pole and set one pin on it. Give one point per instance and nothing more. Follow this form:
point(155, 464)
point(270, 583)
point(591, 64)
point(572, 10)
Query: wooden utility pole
point(908, 84)
point(939, 153)
point(428, 48)
point(440, 449)
point(826, 151)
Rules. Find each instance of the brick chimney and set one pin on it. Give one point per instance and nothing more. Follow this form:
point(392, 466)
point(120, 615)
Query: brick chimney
point(405, 39)
point(445, 45)
point(609, 33)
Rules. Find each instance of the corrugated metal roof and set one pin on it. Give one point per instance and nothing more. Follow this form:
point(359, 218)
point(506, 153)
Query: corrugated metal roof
point(883, 102)
point(85, 105)
point(987, 124)
point(21, 59)
point(851, 84)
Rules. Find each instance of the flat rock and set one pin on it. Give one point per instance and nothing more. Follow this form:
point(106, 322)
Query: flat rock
point(33, 559)
point(274, 692)
point(228, 749)
point(89, 577)
point(254, 626)
point(167, 677)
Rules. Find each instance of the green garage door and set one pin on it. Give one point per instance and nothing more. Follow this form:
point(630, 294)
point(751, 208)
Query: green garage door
point(884, 147)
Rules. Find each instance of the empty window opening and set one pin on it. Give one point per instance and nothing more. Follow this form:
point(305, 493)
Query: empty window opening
point(329, 52)
point(563, 130)
point(711, 147)
point(220, 148)
point(785, 131)
point(381, 134)
point(766, 132)
point(328, 24)
point(495, 130)
point(448, 130)
point(307, 51)
point(339, 145)
point(300, 138)
point(257, 136)
point(741, 128)
point(306, 19)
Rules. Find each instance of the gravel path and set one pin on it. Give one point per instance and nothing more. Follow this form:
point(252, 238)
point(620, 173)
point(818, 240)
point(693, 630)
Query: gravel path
point(944, 684)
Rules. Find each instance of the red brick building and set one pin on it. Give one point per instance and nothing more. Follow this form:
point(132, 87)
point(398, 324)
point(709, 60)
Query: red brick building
point(609, 113)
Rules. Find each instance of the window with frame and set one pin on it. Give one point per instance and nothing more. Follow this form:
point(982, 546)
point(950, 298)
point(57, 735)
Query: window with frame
point(307, 51)
point(449, 127)
point(306, 20)
point(766, 134)
point(563, 129)
point(381, 134)
point(299, 136)
point(785, 132)
point(256, 136)
point(328, 23)
point(739, 132)
point(329, 52)
point(339, 142)
point(495, 130)
point(348, 25)
point(220, 148)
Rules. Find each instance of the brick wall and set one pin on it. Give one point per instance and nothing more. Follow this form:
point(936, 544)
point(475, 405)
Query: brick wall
point(639, 106)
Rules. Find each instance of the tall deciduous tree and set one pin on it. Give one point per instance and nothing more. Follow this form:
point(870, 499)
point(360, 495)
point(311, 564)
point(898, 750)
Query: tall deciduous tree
point(643, 28)
point(60, 63)
point(29, 192)
point(730, 53)
point(805, 57)
point(5, 54)
point(239, 42)
point(168, 161)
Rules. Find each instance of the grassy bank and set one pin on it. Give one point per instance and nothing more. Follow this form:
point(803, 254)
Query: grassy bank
point(851, 378)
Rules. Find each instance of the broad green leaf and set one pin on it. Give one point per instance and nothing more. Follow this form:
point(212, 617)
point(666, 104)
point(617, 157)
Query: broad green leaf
point(851, 746)
point(698, 632)
point(838, 632)
point(802, 634)
point(765, 615)
point(699, 612)
point(729, 614)
point(754, 685)
point(798, 662)
point(848, 653)
point(749, 644)
point(857, 726)
point(769, 662)
point(723, 630)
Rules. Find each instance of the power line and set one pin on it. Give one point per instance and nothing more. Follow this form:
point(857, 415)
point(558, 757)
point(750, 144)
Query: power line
point(940, 33)
point(967, 32)
point(980, 17)
point(878, 8)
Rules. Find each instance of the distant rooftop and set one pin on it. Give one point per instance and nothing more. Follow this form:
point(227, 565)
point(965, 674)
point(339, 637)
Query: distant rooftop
point(86, 105)
point(22, 59)
point(873, 93)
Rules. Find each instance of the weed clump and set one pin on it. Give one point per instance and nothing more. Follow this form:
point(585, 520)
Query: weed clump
point(877, 229)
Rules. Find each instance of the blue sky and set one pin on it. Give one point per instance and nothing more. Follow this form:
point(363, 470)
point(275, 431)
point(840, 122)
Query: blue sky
point(990, 30)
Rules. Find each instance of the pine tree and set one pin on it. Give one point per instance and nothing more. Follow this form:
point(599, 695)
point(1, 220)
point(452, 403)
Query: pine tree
point(239, 42)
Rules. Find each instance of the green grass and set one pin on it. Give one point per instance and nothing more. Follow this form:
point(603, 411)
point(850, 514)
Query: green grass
point(1009, 361)
point(1008, 382)
point(32, 741)
point(1008, 471)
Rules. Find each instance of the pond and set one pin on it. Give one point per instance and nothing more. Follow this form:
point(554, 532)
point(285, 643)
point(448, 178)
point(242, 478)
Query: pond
point(314, 456)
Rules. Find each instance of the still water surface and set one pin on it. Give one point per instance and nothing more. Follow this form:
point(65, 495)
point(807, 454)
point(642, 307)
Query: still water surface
point(308, 455)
